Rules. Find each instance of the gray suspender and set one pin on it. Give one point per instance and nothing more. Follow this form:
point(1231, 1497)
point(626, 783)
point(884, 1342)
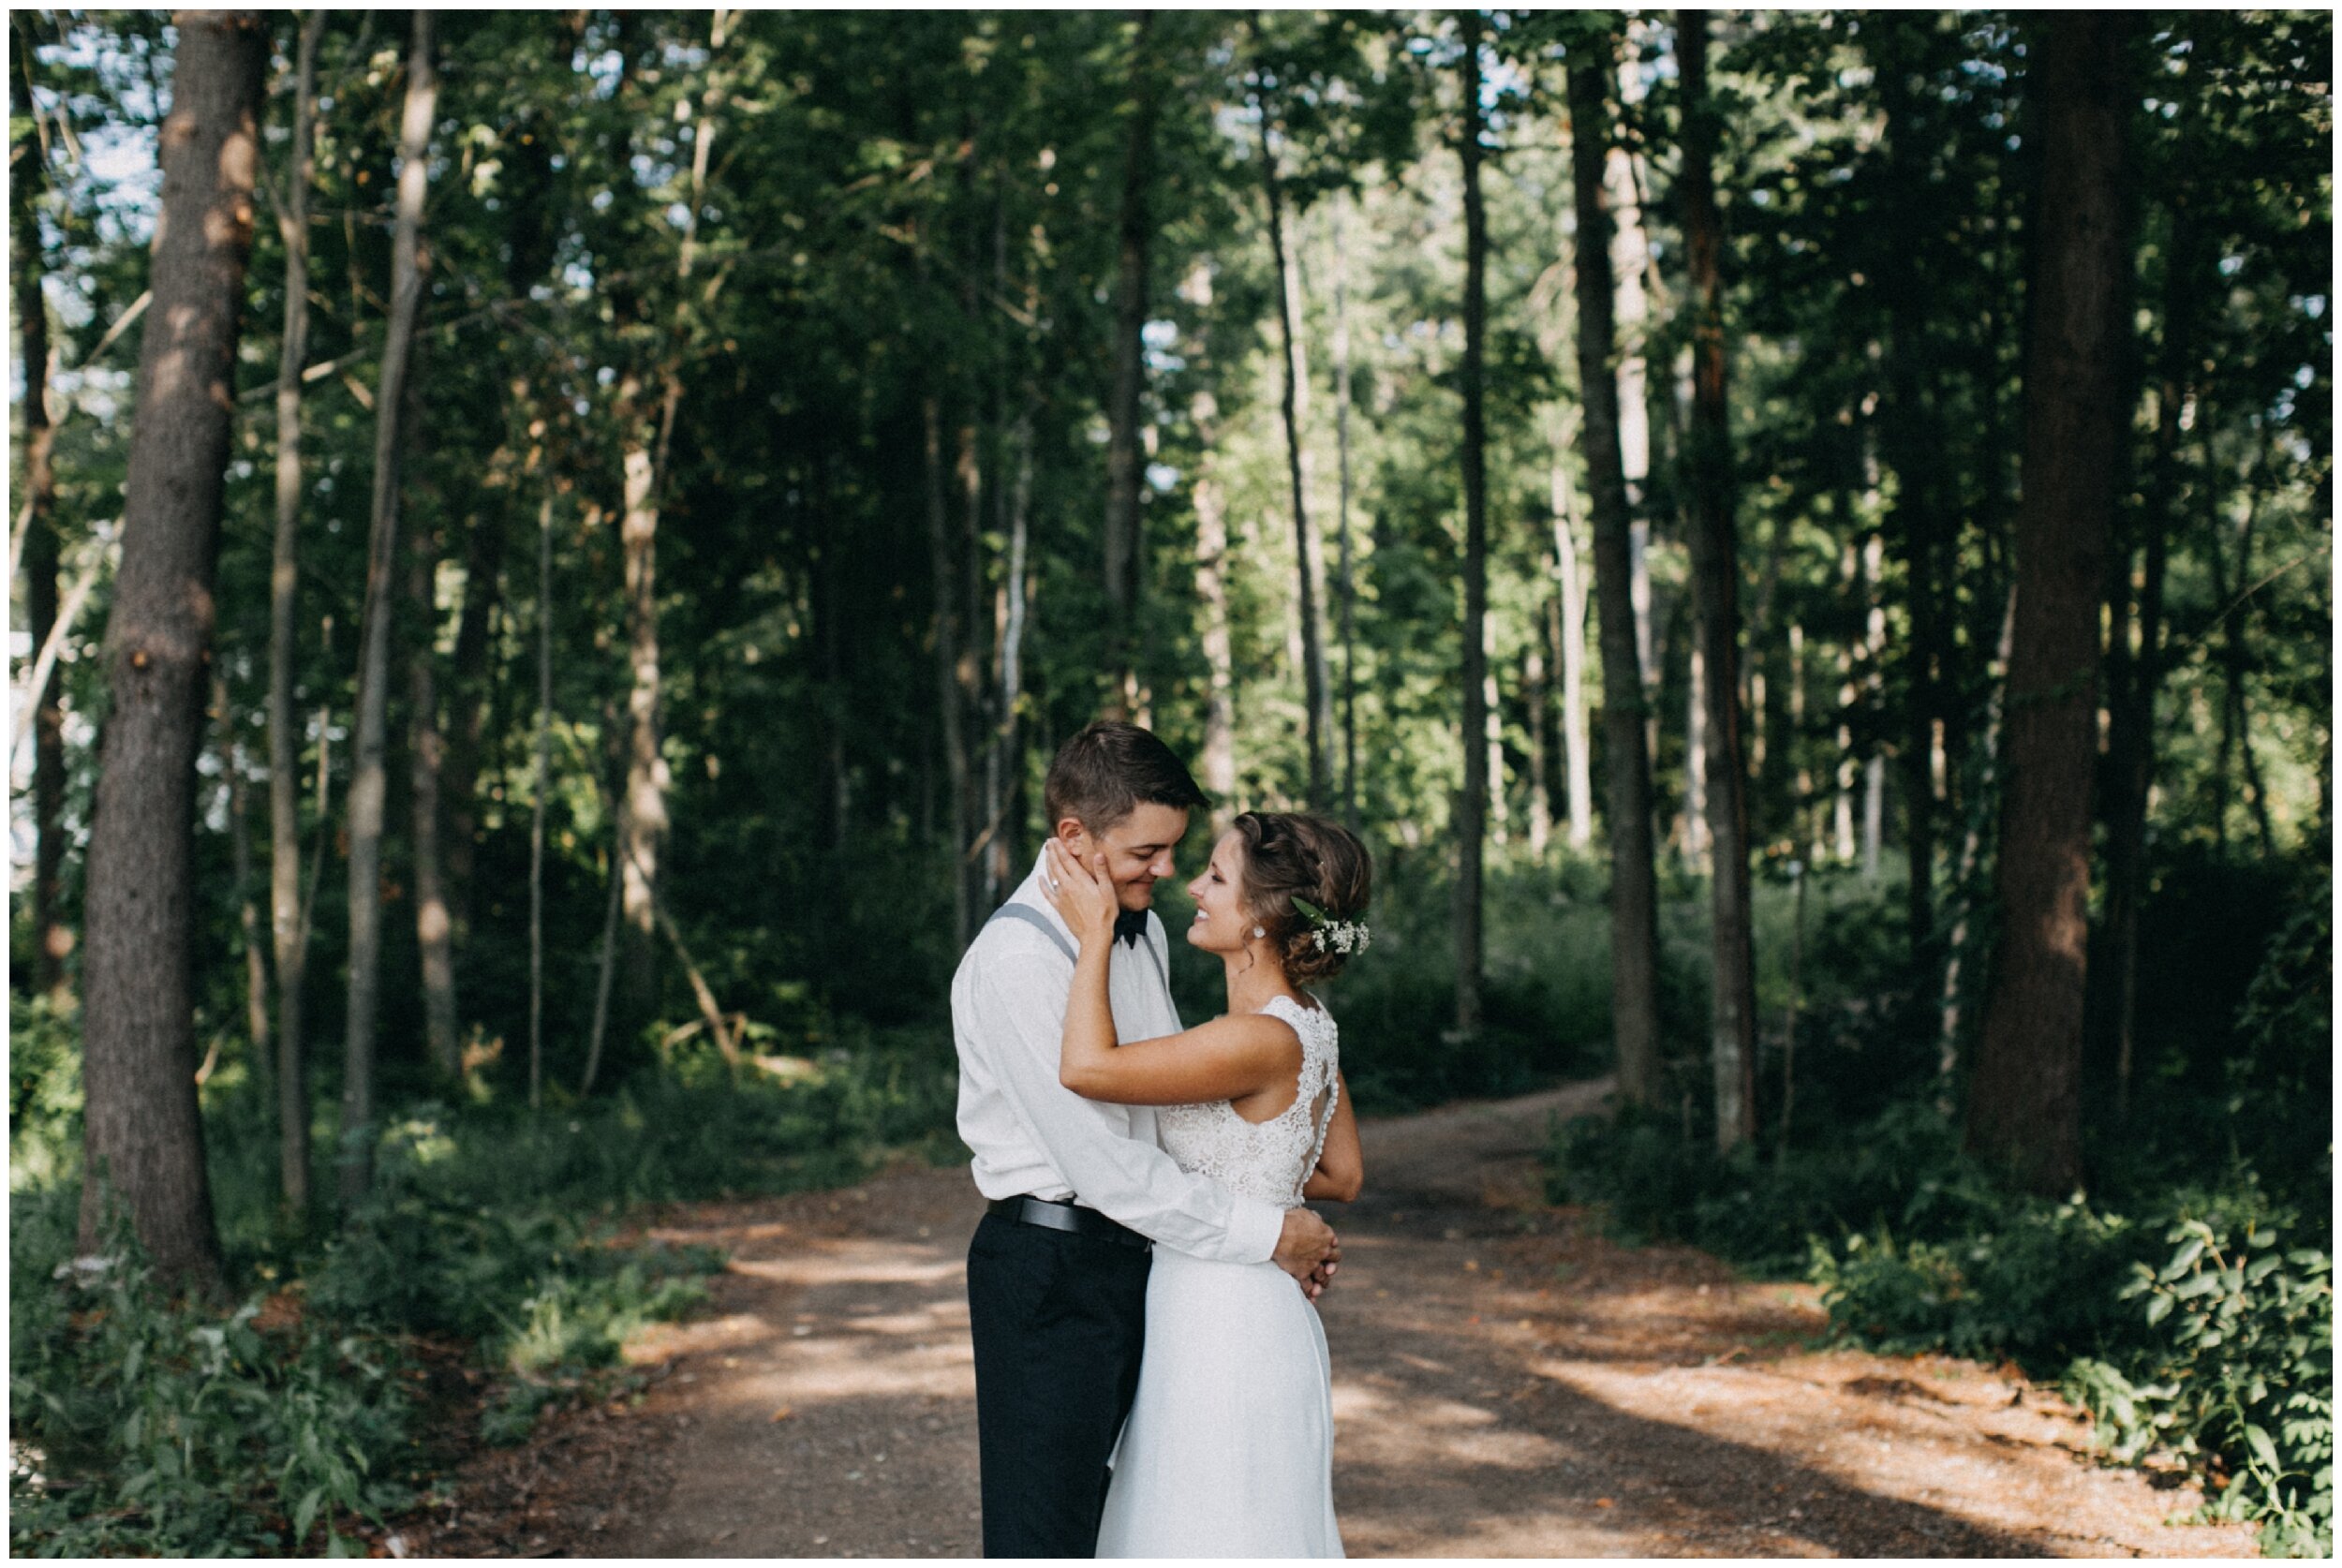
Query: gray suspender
point(1040, 923)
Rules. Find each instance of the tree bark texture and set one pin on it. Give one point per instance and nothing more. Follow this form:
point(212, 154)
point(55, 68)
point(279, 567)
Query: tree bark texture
point(142, 1133)
point(1472, 803)
point(2024, 1103)
point(1716, 585)
point(1633, 885)
point(1123, 466)
point(287, 929)
point(368, 784)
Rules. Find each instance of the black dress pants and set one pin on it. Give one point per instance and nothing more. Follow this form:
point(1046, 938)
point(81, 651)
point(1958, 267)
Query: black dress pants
point(1059, 1320)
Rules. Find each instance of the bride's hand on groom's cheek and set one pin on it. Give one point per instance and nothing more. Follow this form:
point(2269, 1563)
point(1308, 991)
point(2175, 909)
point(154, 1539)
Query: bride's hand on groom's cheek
point(1082, 892)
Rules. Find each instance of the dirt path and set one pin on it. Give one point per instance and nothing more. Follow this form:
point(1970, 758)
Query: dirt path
point(1506, 1384)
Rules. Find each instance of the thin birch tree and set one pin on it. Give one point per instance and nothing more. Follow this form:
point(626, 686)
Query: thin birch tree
point(287, 929)
point(1472, 801)
point(368, 784)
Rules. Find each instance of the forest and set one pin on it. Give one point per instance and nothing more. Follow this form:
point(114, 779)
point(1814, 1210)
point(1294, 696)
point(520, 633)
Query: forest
point(551, 550)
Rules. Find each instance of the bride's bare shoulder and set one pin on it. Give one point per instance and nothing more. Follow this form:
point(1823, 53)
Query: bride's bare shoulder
point(1264, 1033)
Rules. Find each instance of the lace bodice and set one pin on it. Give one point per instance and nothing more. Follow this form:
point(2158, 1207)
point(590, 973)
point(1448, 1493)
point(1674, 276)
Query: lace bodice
point(1269, 1159)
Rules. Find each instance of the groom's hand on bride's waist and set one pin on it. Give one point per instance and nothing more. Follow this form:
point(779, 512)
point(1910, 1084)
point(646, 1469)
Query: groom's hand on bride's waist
point(1308, 1249)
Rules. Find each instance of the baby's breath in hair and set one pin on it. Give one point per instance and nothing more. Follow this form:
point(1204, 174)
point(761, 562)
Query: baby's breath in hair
point(1333, 935)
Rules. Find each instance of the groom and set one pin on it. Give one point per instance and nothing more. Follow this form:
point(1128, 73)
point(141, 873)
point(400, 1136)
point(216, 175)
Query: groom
point(1057, 1273)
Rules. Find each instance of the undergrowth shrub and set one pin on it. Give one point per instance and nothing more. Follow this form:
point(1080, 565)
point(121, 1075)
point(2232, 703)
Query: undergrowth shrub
point(144, 1424)
point(143, 1427)
point(2186, 1301)
point(2242, 1369)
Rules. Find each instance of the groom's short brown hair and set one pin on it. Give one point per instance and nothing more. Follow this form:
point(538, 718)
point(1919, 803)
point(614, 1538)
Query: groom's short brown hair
point(1110, 769)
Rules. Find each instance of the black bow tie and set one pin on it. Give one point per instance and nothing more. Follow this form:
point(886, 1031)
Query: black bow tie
point(1129, 926)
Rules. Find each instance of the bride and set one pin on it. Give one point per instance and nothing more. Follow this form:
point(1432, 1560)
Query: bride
point(1228, 1451)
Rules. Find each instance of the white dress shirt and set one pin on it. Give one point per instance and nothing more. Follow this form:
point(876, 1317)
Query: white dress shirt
point(1031, 1135)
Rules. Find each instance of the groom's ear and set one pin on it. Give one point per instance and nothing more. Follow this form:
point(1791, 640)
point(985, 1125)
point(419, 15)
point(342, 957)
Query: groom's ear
point(1071, 832)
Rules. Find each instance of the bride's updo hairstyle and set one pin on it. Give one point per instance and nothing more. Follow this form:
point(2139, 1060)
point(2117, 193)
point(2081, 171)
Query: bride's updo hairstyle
point(1289, 855)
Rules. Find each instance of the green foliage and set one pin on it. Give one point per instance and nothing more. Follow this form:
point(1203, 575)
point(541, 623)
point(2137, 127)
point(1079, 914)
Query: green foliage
point(144, 1425)
point(2186, 1303)
point(169, 1428)
point(1654, 1183)
point(44, 1091)
point(2033, 1283)
point(2242, 1368)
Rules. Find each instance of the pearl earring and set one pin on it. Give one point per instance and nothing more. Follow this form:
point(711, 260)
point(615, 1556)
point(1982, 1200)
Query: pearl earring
point(1259, 931)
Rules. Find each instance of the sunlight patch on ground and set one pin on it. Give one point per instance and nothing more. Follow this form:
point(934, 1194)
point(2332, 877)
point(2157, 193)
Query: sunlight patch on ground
point(1891, 1437)
point(857, 1268)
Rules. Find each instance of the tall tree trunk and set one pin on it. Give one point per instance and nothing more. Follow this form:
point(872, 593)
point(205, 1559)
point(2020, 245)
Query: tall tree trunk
point(1499, 822)
point(1538, 699)
point(1873, 560)
point(434, 927)
point(1472, 803)
point(1007, 761)
point(367, 783)
point(1715, 585)
point(1695, 756)
point(37, 527)
point(645, 446)
point(285, 924)
point(968, 672)
point(1211, 588)
point(948, 697)
point(540, 784)
point(469, 676)
point(643, 808)
point(1292, 402)
point(2134, 679)
point(142, 1133)
point(2024, 1103)
point(1808, 804)
point(1635, 272)
point(1914, 449)
point(1345, 585)
point(1124, 470)
point(1571, 638)
point(599, 1029)
point(1971, 848)
point(2236, 659)
point(1633, 885)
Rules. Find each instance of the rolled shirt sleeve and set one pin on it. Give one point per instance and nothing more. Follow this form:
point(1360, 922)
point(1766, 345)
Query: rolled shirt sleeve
point(1017, 1003)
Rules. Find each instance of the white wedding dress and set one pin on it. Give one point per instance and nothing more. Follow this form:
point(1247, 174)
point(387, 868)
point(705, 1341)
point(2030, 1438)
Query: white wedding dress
point(1229, 1448)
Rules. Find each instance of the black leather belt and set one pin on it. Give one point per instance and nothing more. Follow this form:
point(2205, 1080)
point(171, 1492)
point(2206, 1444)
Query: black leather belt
point(1067, 1216)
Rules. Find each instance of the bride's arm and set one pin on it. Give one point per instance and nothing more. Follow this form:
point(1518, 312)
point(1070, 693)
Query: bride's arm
point(1224, 1059)
point(1341, 1164)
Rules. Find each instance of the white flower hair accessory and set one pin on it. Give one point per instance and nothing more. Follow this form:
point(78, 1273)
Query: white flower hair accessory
point(1334, 935)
